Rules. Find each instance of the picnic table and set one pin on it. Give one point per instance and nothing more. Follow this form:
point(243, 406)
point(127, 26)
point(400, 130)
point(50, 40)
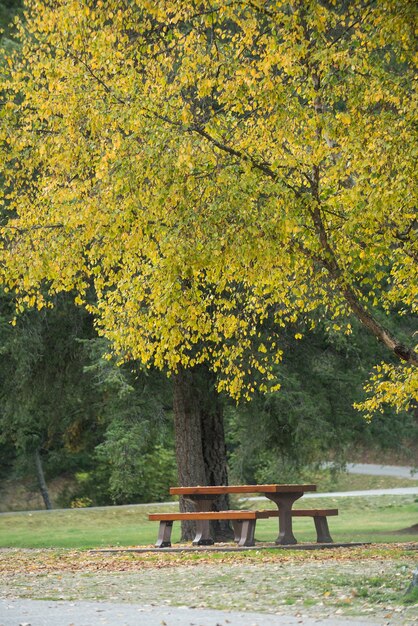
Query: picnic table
point(203, 498)
point(282, 495)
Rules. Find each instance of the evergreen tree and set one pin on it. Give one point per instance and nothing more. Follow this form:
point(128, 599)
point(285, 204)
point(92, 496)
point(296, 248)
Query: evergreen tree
point(47, 412)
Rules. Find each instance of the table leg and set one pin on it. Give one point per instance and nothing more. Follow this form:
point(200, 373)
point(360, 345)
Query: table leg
point(284, 503)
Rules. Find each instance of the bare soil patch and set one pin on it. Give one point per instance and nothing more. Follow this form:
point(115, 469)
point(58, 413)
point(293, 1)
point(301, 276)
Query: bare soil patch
point(408, 531)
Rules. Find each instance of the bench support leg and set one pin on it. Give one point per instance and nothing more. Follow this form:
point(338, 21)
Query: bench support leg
point(164, 535)
point(284, 503)
point(322, 530)
point(247, 533)
point(203, 505)
point(203, 537)
point(237, 526)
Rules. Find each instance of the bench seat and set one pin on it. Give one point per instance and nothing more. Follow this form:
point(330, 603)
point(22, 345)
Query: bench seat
point(243, 523)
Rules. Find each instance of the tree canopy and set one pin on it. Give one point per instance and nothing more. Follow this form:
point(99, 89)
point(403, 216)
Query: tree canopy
point(196, 169)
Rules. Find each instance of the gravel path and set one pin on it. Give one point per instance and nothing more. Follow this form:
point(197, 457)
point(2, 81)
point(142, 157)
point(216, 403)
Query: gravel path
point(338, 587)
point(44, 613)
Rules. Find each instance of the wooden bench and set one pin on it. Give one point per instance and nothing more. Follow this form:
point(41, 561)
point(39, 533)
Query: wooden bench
point(243, 523)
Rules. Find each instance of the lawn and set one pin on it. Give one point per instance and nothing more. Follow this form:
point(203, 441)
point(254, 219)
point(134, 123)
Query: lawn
point(374, 519)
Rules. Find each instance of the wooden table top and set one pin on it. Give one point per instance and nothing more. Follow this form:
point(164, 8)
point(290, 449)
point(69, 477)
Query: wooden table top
point(221, 489)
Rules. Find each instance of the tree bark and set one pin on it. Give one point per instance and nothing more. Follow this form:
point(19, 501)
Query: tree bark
point(188, 440)
point(214, 447)
point(41, 480)
point(200, 441)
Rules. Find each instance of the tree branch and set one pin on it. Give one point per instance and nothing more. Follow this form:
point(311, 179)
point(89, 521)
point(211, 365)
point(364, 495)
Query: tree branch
point(329, 261)
point(382, 334)
point(263, 167)
point(29, 229)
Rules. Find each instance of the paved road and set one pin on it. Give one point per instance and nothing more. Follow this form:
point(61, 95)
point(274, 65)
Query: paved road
point(383, 470)
point(397, 491)
point(50, 613)
point(375, 470)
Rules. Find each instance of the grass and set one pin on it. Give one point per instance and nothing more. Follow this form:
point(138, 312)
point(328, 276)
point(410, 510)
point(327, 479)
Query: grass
point(411, 597)
point(374, 519)
point(78, 528)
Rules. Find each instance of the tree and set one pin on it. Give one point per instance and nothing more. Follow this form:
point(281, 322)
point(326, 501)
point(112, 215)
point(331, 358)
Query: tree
point(134, 460)
point(206, 166)
point(200, 441)
point(8, 10)
point(66, 411)
point(47, 404)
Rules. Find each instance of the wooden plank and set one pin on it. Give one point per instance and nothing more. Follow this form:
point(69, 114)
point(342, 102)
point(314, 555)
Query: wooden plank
point(222, 489)
point(206, 515)
point(314, 512)
point(266, 513)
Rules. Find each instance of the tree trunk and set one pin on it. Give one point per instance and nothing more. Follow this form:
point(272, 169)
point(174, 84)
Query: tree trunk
point(188, 439)
point(200, 441)
point(214, 447)
point(41, 480)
